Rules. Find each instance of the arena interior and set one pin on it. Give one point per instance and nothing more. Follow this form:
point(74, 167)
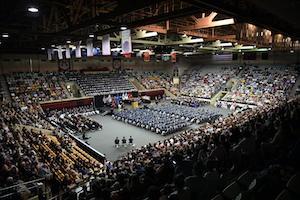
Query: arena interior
point(149, 100)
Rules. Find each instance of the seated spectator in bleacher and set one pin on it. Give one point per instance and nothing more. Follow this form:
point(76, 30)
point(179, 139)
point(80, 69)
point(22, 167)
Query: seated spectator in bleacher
point(102, 83)
point(260, 85)
point(205, 84)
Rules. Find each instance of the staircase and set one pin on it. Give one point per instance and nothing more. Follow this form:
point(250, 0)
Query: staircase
point(4, 89)
point(217, 97)
point(137, 84)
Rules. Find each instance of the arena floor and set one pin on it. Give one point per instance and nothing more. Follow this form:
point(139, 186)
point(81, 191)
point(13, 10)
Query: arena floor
point(103, 140)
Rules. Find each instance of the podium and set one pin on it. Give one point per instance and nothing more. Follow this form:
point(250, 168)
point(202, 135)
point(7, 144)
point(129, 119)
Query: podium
point(135, 104)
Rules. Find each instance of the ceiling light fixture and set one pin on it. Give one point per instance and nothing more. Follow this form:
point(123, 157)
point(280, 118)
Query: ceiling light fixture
point(123, 28)
point(5, 35)
point(33, 9)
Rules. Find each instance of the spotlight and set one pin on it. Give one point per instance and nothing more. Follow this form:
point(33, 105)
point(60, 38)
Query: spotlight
point(33, 9)
point(123, 28)
point(5, 35)
point(291, 51)
point(53, 45)
point(91, 35)
point(42, 48)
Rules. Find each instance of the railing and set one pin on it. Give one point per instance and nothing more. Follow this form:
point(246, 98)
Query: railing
point(8, 192)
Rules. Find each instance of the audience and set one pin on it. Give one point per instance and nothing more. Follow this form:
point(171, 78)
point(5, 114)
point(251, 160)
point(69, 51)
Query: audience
point(156, 80)
point(194, 115)
point(261, 142)
point(102, 83)
point(28, 88)
point(74, 120)
point(205, 84)
point(260, 85)
point(150, 119)
point(219, 152)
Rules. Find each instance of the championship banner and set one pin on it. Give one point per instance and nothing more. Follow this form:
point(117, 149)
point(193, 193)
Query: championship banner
point(68, 54)
point(106, 45)
point(173, 57)
point(77, 50)
point(89, 47)
point(146, 56)
point(49, 53)
point(59, 53)
point(126, 42)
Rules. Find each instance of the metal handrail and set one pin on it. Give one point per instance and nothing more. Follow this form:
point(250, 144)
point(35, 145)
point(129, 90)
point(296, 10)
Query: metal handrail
point(25, 183)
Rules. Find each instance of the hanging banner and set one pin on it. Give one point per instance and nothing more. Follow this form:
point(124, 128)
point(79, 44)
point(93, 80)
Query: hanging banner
point(126, 42)
point(173, 57)
point(89, 47)
point(49, 53)
point(68, 54)
point(59, 53)
point(146, 56)
point(106, 45)
point(77, 50)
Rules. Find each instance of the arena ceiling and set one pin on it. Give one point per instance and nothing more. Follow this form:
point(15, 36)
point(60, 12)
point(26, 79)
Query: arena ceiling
point(177, 22)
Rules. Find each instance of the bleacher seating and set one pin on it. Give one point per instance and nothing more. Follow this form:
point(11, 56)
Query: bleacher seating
point(205, 84)
point(35, 87)
point(260, 85)
point(102, 83)
point(156, 80)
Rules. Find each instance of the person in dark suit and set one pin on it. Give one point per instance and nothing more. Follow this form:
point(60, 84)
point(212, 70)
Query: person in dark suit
point(124, 141)
point(117, 141)
point(130, 141)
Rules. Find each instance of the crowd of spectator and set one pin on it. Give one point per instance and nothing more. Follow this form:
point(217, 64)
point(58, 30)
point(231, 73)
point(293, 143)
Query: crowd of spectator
point(188, 101)
point(33, 87)
point(102, 83)
point(74, 120)
point(28, 153)
point(158, 122)
point(260, 85)
point(204, 84)
point(217, 159)
point(156, 80)
point(187, 113)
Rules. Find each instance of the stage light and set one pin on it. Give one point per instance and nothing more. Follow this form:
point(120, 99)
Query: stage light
point(33, 9)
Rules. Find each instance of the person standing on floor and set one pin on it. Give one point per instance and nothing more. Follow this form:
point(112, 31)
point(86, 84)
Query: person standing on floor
point(117, 141)
point(124, 141)
point(130, 141)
